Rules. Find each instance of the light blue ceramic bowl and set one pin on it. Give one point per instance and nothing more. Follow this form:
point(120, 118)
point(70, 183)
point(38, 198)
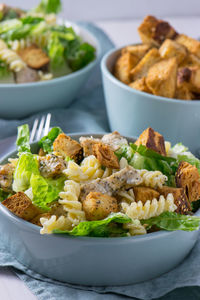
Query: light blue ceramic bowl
point(93, 261)
point(131, 111)
point(20, 100)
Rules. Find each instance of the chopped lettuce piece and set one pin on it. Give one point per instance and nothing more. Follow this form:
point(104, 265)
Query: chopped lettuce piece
point(46, 143)
point(49, 6)
point(5, 74)
point(8, 25)
point(125, 151)
point(23, 138)
point(55, 51)
point(3, 195)
point(31, 20)
point(45, 190)
point(26, 166)
point(111, 226)
point(172, 221)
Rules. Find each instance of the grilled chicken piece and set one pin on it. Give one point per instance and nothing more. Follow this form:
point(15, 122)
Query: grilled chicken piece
point(26, 75)
point(6, 177)
point(125, 178)
point(51, 165)
point(87, 143)
point(98, 206)
point(114, 140)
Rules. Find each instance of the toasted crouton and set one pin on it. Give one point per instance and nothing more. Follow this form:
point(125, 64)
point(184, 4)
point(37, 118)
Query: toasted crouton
point(20, 205)
point(137, 50)
point(170, 48)
point(180, 199)
point(41, 152)
point(161, 78)
point(183, 93)
point(189, 77)
point(36, 220)
point(190, 60)
point(187, 177)
point(153, 31)
point(98, 206)
point(105, 156)
point(65, 146)
point(145, 63)
point(87, 143)
point(6, 177)
point(152, 140)
point(140, 85)
point(191, 44)
point(144, 193)
point(51, 165)
point(34, 57)
point(124, 64)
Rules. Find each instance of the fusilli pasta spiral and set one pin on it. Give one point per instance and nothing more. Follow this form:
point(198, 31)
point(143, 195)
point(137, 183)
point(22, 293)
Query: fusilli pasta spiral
point(153, 179)
point(69, 200)
point(135, 228)
point(39, 40)
point(48, 225)
point(11, 58)
point(126, 195)
point(138, 210)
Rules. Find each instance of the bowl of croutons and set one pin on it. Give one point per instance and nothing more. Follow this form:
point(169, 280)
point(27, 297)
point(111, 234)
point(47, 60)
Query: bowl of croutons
point(155, 83)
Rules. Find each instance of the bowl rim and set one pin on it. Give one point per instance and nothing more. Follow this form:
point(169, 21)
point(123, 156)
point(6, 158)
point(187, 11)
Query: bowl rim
point(122, 85)
point(68, 76)
point(25, 224)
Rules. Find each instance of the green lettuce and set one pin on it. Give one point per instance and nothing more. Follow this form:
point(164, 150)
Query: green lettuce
point(172, 221)
point(26, 166)
point(3, 195)
point(46, 143)
point(45, 190)
point(49, 6)
point(111, 226)
point(23, 138)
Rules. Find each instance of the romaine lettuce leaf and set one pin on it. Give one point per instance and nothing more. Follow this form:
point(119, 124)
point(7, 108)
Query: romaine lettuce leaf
point(172, 221)
point(46, 143)
point(45, 190)
point(111, 226)
point(8, 25)
point(23, 138)
point(49, 6)
point(26, 166)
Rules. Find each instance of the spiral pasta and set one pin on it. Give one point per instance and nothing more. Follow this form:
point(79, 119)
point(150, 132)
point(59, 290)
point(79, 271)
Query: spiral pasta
point(138, 210)
point(135, 228)
point(39, 40)
point(45, 76)
point(48, 225)
point(126, 195)
point(153, 179)
point(11, 58)
point(69, 200)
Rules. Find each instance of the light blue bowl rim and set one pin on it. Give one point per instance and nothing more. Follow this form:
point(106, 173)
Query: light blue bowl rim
point(114, 80)
point(62, 78)
point(36, 229)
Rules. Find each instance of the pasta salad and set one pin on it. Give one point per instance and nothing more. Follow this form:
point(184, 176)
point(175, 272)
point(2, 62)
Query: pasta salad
point(102, 187)
point(35, 47)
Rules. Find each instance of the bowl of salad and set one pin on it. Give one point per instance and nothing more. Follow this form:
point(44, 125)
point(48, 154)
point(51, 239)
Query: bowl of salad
point(44, 61)
point(99, 209)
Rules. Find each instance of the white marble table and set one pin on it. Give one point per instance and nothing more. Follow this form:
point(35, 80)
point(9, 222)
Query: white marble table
point(122, 33)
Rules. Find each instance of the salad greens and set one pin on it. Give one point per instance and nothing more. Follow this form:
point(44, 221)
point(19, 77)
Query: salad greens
point(49, 6)
point(23, 138)
point(172, 221)
point(46, 143)
point(3, 195)
point(104, 228)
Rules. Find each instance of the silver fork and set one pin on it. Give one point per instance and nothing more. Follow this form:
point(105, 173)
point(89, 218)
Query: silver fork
point(38, 132)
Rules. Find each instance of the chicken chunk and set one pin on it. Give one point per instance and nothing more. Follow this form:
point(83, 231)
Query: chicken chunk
point(66, 146)
point(6, 177)
point(51, 165)
point(153, 31)
point(142, 68)
point(161, 78)
point(34, 57)
point(191, 44)
point(105, 156)
point(137, 50)
point(26, 75)
point(125, 178)
point(171, 48)
point(87, 143)
point(140, 85)
point(98, 206)
point(144, 193)
point(190, 77)
point(114, 140)
point(187, 177)
point(20, 205)
point(180, 199)
point(152, 140)
point(125, 63)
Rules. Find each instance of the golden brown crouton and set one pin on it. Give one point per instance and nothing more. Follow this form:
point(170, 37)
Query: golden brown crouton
point(161, 78)
point(41, 152)
point(140, 85)
point(124, 64)
point(87, 143)
point(187, 177)
point(36, 220)
point(144, 193)
point(191, 44)
point(105, 156)
point(6, 177)
point(189, 77)
point(20, 205)
point(98, 206)
point(170, 48)
point(34, 57)
point(190, 60)
point(137, 50)
point(183, 93)
point(152, 140)
point(66, 146)
point(51, 165)
point(180, 199)
point(153, 31)
point(145, 63)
